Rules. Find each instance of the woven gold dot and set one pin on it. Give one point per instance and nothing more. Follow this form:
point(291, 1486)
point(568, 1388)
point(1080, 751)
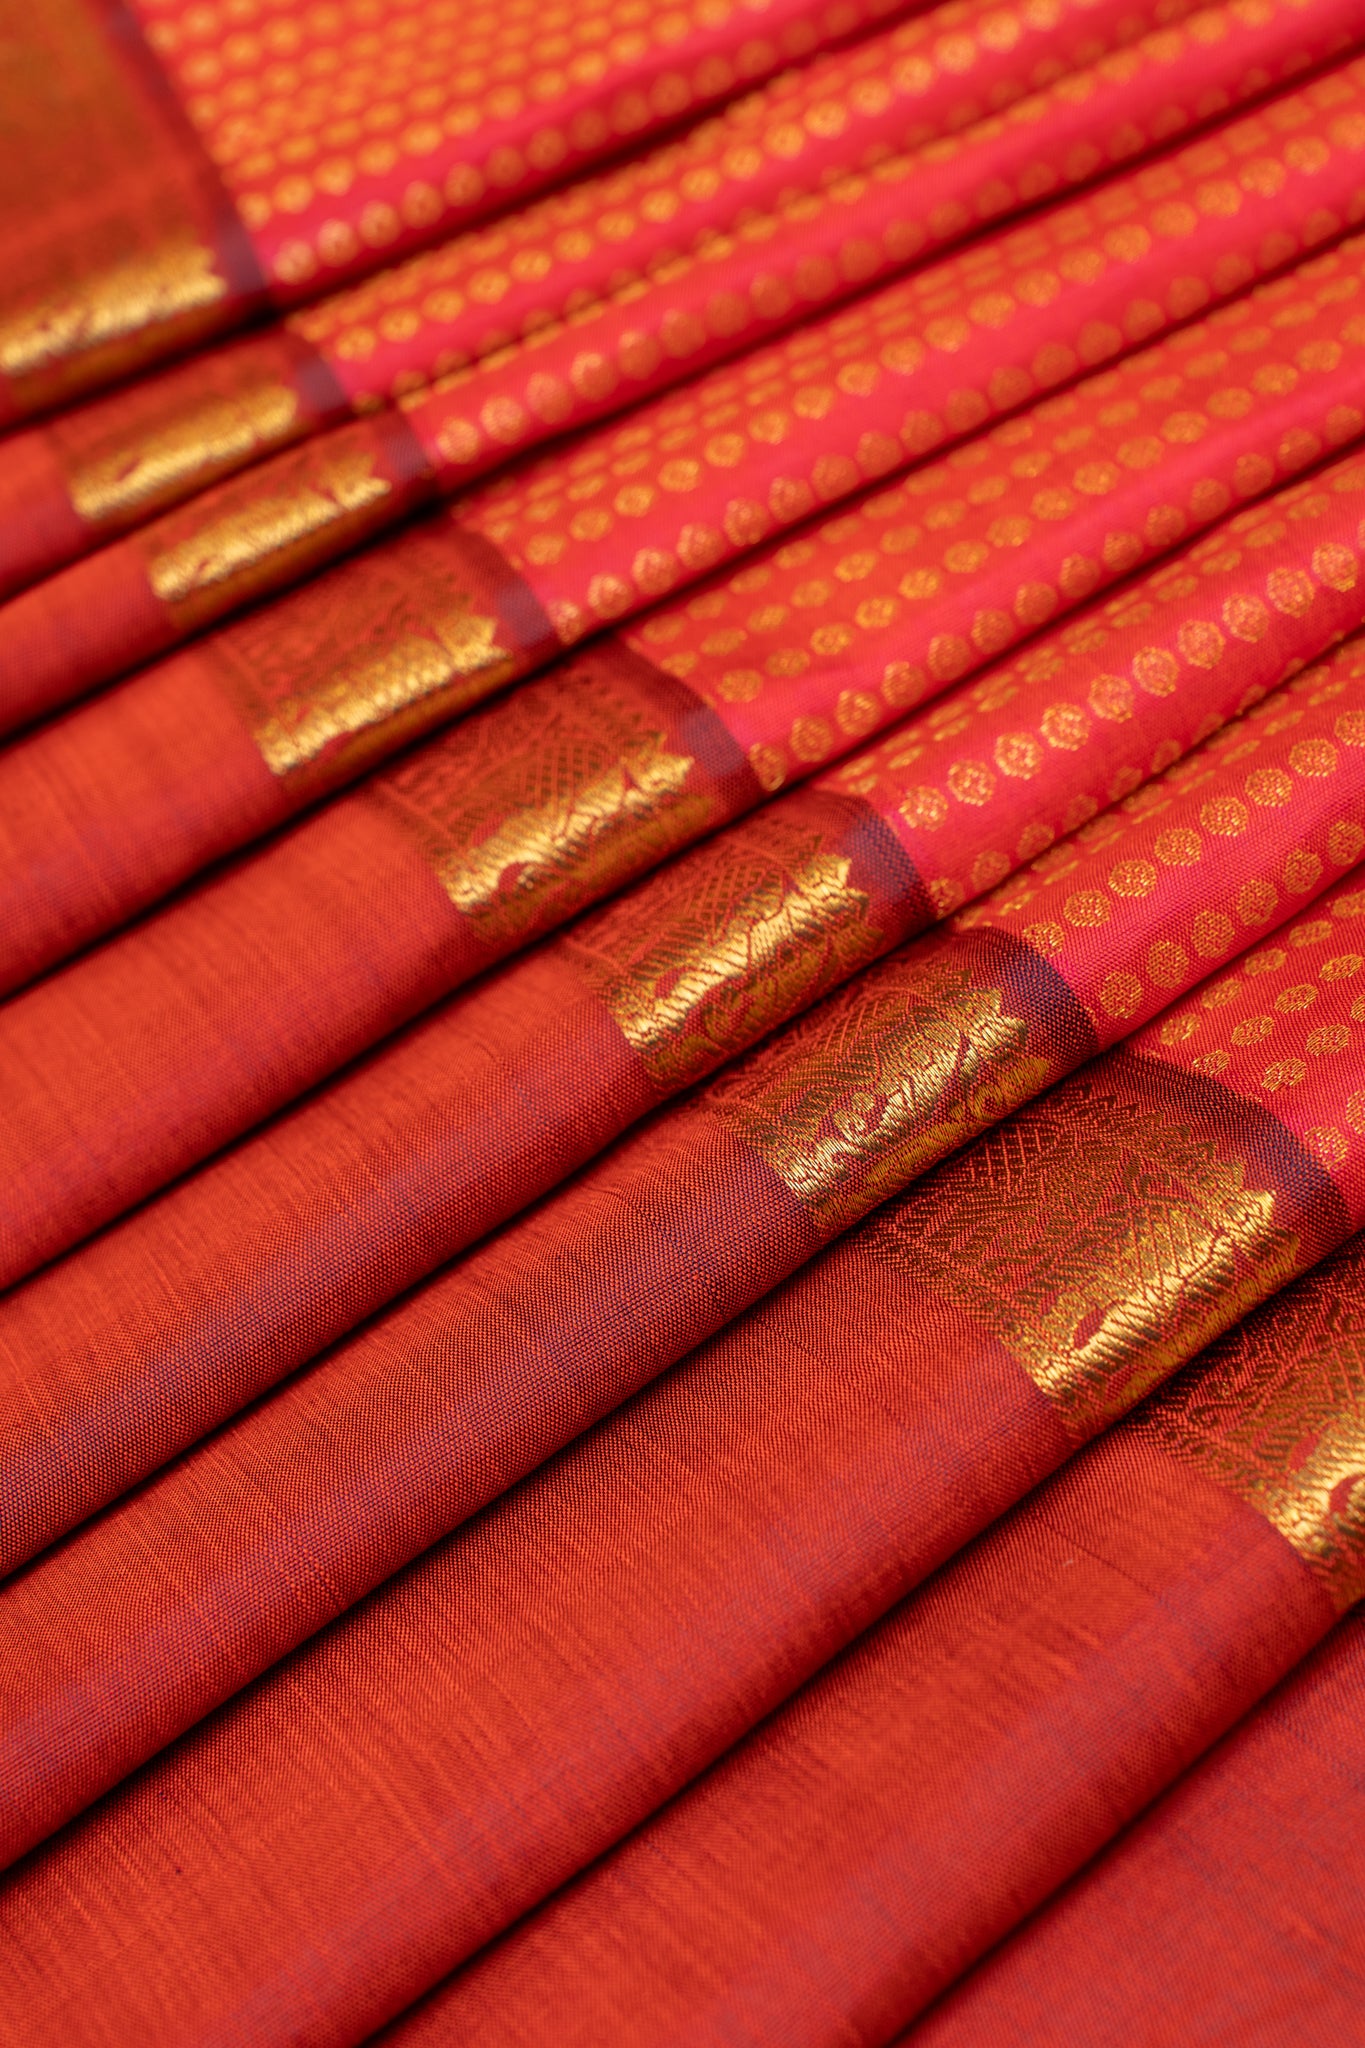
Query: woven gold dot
point(1252, 1030)
point(1226, 815)
point(1179, 846)
point(811, 739)
point(739, 685)
point(857, 712)
point(1018, 754)
point(1156, 671)
point(1345, 842)
point(1302, 870)
point(833, 638)
point(593, 523)
point(768, 765)
point(1120, 994)
point(1111, 698)
point(1213, 933)
point(1168, 964)
point(971, 782)
point(1256, 902)
point(903, 683)
point(949, 656)
point(1269, 787)
point(924, 809)
point(1313, 758)
point(1290, 591)
point(1246, 618)
point(1133, 878)
point(1086, 908)
point(988, 869)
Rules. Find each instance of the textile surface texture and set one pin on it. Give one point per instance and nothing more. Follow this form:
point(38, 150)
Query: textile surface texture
point(682, 1023)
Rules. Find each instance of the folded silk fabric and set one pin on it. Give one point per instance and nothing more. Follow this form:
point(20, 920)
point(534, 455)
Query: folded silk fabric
point(959, 341)
point(137, 1061)
point(72, 482)
point(126, 1351)
point(856, 1853)
point(846, 625)
point(520, 1699)
point(229, 1558)
point(1238, 1901)
point(318, 1846)
point(171, 166)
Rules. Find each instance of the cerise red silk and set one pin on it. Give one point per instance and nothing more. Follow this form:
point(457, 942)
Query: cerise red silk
point(682, 1023)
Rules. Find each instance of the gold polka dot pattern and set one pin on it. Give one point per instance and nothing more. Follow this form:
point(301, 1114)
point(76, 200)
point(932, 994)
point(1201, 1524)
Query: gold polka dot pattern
point(484, 289)
point(748, 451)
point(813, 252)
point(600, 528)
point(835, 121)
point(948, 1035)
point(1160, 891)
point(820, 641)
point(349, 129)
point(1285, 1026)
point(1000, 769)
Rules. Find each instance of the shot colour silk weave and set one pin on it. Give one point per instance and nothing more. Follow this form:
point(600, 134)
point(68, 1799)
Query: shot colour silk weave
point(784, 1489)
point(682, 1023)
point(920, 362)
point(815, 642)
point(74, 481)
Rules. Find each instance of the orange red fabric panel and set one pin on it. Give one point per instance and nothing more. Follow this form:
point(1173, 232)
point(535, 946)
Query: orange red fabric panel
point(682, 1022)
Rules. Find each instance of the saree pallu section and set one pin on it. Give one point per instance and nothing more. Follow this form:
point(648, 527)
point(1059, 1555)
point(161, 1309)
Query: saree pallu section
point(1238, 1902)
point(748, 451)
point(545, 1680)
point(816, 642)
point(264, 1533)
point(125, 1353)
point(169, 167)
point(72, 483)
point(174, 1038)
point(851, 1858)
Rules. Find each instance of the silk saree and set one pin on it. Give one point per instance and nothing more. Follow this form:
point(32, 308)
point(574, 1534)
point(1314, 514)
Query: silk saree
point(682, 1005)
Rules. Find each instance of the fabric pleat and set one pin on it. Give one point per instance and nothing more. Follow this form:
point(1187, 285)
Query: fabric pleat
point(516, 1702)
point(812, 644)
point(1236, 1902)
point(268, 1530)
point(168, 171)
point(957, 342)
point(682, 1023)
point(122, 1355)
point(100, 469)
point(136, 1062)
point(846, 1862)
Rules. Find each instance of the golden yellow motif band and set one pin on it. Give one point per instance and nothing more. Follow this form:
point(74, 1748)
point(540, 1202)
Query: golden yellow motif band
point(714, 951)
point(570, 788)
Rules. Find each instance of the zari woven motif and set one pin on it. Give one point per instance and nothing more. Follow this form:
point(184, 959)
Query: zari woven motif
point(682, 1022)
